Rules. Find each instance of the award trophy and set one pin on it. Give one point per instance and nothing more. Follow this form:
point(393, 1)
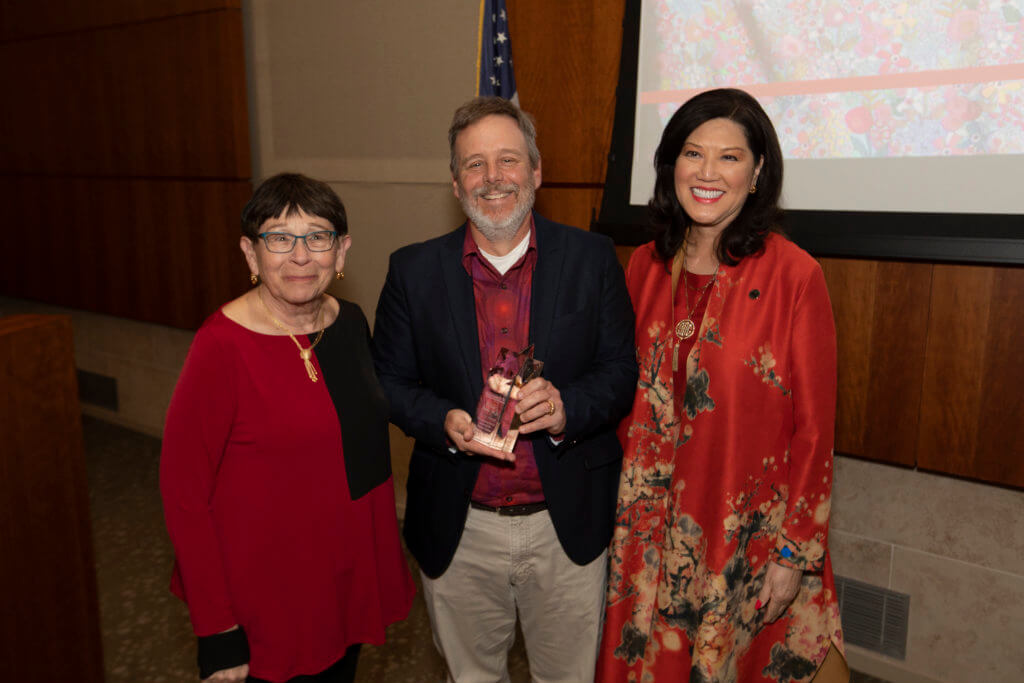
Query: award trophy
point(497, 424)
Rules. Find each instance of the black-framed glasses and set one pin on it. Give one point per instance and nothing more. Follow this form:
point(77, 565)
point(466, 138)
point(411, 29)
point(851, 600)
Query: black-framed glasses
point(284, 242)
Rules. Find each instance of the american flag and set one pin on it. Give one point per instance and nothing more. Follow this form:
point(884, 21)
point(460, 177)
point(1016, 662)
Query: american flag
point(494, 61)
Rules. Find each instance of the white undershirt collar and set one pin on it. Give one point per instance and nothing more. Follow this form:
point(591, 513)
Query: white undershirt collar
point(503, 263)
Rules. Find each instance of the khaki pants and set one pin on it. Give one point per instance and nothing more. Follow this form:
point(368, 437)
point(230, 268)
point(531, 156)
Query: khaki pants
point(509, 565)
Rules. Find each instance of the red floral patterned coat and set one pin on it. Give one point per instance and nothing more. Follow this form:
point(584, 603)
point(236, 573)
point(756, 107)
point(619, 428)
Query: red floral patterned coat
point(737, 476)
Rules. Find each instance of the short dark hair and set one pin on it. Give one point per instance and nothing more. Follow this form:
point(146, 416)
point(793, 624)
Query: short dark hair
point(480, 107)
point(760, 214)
point(287, 193)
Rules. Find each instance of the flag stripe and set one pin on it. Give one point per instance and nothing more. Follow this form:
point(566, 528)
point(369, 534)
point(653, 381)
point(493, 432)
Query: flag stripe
point(480, 45)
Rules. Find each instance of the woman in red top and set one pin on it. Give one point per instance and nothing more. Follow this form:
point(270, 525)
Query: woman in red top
point(275, 471)
point(719, 562)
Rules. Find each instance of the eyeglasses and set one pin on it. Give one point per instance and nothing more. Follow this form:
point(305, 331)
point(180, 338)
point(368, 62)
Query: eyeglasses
point(284, 242)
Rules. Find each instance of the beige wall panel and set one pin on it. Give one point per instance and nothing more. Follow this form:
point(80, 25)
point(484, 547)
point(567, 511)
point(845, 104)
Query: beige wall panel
point(383, 218)
point(884, 668)
point(360, 90)
point(971, 522)
point(953, 546)
point(965, 622)
point(860, 558)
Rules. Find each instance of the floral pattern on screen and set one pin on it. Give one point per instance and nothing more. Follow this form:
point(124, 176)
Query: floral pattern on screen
point(855, 79)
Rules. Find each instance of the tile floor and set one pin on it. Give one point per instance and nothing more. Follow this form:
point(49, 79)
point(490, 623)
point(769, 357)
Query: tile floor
point(146, 633)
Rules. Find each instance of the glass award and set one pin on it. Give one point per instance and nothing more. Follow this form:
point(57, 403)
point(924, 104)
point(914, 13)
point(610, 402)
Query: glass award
point(497, 424)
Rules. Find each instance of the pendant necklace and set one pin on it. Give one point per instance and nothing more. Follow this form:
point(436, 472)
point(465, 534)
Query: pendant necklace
point(304, 354)
point(685, 328)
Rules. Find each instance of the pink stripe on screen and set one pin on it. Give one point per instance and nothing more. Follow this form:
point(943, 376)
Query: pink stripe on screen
point(919, 79)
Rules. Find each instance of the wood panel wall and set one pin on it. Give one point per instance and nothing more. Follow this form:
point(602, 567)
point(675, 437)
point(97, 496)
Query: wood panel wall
point(567, 67)
point(49, 622)
point(929, 375)
point(128, 143)
point(881, 313)
point(972, 409)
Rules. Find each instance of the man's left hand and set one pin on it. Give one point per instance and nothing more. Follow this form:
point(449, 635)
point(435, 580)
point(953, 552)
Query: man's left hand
point(540, 408)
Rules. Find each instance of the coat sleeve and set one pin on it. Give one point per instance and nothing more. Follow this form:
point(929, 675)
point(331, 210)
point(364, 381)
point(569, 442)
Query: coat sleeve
point(198, 426)
point(603, 395)
point(803, 538)
point(416, 409)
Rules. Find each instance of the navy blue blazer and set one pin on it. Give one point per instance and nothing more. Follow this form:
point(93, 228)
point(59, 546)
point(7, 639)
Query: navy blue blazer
point(427, 357)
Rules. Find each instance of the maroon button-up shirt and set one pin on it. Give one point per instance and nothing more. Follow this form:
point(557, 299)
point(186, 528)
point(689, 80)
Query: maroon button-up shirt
point(503, 319)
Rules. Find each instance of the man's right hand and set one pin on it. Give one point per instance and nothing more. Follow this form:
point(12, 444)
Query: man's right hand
point(458, 425)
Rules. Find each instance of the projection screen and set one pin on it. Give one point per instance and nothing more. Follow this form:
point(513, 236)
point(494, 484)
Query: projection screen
point(893, 116)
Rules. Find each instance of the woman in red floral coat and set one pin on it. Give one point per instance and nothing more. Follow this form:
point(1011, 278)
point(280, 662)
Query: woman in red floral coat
point(719, 562)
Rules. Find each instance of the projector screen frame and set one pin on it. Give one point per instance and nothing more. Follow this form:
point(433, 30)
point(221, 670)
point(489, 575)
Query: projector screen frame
point(942, 237)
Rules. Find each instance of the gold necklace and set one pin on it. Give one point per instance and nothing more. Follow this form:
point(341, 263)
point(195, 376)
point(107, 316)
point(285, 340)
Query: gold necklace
point(304, 354)
point(686, 327)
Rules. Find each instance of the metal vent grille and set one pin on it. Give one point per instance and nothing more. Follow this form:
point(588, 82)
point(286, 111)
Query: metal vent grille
point(874, 618)
point(97, 389)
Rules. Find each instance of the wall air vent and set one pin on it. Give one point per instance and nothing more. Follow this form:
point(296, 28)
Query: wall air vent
point(874, 618)
point(99, 390)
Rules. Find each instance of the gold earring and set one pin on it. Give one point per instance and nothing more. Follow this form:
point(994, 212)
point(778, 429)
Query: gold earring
point(254, 279)
point(753, 188)
point(339, 275)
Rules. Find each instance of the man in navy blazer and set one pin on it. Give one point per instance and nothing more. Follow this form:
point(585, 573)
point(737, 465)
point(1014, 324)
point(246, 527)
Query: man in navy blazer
point(498, 535)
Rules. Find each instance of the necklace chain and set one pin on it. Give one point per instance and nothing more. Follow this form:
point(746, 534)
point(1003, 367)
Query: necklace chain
point(304, 354)
point(699, 291)
point(686, 327)
point(703, 288)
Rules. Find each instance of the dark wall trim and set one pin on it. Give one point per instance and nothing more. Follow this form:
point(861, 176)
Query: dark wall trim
point(967, 238)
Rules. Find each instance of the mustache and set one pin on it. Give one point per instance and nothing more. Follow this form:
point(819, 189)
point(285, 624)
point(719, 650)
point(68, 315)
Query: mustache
point(495, 187)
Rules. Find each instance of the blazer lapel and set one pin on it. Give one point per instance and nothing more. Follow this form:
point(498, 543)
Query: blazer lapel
point(546, 280)
point(462, 308)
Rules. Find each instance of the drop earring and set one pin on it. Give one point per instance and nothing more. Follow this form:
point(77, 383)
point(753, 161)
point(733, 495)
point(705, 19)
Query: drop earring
point(339, 275)
point(254, 279)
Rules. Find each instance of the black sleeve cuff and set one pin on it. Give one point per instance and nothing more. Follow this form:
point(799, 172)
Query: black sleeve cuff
point(222, 651)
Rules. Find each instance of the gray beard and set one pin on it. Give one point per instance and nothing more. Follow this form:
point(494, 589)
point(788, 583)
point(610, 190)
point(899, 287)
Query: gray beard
point(500, 230)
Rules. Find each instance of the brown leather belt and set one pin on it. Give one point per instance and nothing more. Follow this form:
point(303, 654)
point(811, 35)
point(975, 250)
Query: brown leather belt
point(511, 510)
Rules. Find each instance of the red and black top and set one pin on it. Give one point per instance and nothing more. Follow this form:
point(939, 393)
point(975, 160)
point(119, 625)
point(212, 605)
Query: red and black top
point(278, 497)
